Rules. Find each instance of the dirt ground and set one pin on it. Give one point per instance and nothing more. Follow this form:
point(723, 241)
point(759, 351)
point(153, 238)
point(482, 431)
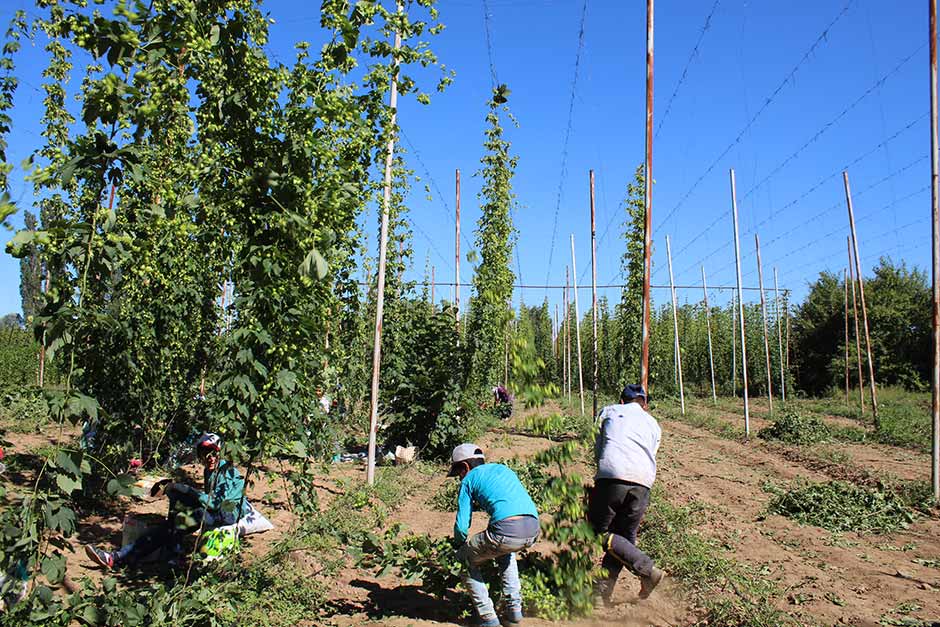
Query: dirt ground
point(828, 579)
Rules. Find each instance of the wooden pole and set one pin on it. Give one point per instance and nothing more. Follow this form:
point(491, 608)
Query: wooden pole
point(783, 380)
point(577, 322)
point(861, 295)
point(708, 328)
point(594, 295)
point(734, 348)
point(557, 334)
point(858, 336)
point(380, 293)
point(647, 203)
point(935, 220)
point(846, 301)
point(568, 332)
point(457, 263)
point(42, 348)
point(675, 327)
point(737, 263)
point(763, 309)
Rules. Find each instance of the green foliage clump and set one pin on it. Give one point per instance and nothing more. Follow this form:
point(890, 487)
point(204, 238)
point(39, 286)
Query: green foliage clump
point(794, 427)
point(492, 283)
point(842, 506)
point(24, 410)
point(19, 358)
point(558, 426)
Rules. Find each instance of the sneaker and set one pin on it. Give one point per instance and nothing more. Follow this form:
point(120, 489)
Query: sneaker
point(513, 618)
point(648, 583)
point(488, 622)
point(99, 556)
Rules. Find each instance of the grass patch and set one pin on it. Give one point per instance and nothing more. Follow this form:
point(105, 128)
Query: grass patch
point(841, 506)
point(668, 535)
point(697, 418)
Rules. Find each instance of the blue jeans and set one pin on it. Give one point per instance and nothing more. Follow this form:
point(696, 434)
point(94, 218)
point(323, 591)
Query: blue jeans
point(486, 546)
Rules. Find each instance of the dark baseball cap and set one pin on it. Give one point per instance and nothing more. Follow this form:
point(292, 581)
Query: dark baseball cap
point(633, 392)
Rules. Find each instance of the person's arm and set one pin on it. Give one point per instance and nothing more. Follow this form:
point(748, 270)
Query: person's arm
point(464, 512)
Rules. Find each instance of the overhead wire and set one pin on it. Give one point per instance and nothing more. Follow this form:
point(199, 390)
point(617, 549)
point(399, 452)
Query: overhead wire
point(805, 194)
point(685, 70)
point(564, 146)
point(767, 102)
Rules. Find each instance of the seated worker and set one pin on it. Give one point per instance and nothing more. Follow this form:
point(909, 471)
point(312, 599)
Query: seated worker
point(502, 402)
point(513, 526)
point(221, 504)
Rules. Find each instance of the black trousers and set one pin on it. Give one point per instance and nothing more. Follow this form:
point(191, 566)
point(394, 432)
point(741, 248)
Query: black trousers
point(615, 510)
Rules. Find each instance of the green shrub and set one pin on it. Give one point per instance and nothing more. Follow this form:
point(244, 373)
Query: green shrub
point(795, 428)
point(24, 410)
point(19, 358)
point(842, 506)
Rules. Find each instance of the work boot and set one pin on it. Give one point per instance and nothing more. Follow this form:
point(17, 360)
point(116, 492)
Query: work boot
point(648, 583)
point(513, 618)
point(99, 556)
point(603, 591)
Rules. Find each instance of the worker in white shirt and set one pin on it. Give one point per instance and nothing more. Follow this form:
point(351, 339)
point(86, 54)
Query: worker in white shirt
point(625, 451)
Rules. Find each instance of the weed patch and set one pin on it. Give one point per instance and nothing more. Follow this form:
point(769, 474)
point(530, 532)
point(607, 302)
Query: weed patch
point(796, 428)
point(841, 506)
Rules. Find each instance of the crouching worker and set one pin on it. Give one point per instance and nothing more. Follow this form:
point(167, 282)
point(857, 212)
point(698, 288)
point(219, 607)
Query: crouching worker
point(221, 504)
point(625, 451)
point(513, 526)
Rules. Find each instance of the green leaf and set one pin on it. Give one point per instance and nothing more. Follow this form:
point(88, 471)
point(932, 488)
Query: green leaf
point(67, 484)
point(53, 568)
point(314, 258)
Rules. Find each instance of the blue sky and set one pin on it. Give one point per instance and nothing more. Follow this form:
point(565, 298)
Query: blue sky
point(767, 94)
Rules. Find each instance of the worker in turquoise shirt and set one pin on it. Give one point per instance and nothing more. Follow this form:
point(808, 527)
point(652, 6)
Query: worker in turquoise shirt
point(513, 526)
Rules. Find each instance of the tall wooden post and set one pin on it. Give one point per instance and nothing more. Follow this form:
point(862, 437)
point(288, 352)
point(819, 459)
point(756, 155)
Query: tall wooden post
point(734, 348)
point(763, 310)
point(858, 337)
point(783, 379)
point(647, 204)
point(594, 295)
point(557, 336)
point(577, 322)
point(568, 333)
point(708, 328)
point(861, 295)
point(380, 291)
point(737, 264)
point(846, 301)
point(675, 327)
point(457, 263)
point(935, 222)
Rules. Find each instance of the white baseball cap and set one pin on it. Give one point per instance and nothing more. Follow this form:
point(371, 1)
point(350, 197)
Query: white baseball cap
point(463, 453)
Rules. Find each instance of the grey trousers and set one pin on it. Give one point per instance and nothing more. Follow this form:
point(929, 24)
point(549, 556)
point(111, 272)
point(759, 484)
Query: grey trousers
point(616, 509)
